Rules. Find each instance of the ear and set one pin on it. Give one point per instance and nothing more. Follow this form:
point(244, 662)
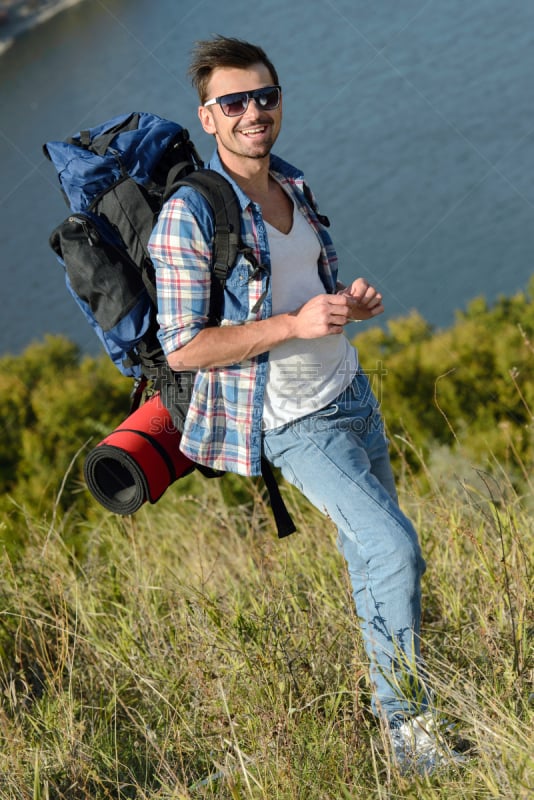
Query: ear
point(206, 119)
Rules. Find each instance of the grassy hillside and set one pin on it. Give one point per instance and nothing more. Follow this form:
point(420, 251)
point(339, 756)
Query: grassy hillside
point(187, 653)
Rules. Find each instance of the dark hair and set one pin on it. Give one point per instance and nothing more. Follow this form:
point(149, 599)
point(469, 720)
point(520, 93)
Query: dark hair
point(222, 51)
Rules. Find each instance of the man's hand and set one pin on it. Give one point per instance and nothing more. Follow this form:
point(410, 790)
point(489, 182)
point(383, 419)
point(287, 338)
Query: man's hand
point(365, 301)
point(327, 314)
point(322, 315)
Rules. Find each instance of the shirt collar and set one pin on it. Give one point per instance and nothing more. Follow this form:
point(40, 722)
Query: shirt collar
point(277, 165)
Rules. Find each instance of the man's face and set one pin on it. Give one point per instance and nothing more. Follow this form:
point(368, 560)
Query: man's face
point(251, 135)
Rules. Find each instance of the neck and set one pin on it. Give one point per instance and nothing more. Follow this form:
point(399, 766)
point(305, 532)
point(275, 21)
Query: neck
point(250, 174)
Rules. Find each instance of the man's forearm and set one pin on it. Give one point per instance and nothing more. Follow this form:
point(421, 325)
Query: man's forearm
point(322, 315)
point(230, 344)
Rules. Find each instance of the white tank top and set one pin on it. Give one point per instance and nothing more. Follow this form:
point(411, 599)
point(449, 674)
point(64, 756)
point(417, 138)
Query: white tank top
point(304, 375)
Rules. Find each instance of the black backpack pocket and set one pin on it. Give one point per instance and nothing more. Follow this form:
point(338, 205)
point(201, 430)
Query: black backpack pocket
point(100, 272)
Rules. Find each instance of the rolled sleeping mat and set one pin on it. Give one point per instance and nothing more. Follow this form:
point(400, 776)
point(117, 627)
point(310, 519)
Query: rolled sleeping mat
point(138, 461)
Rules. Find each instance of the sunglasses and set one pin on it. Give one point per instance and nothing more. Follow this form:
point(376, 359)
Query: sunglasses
point(233, 105)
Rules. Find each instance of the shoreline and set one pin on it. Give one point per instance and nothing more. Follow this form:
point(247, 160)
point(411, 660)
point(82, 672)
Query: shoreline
point(17, 18)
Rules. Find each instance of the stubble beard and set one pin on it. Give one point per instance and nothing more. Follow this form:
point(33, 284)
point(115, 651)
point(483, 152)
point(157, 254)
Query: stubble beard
point(263, 151)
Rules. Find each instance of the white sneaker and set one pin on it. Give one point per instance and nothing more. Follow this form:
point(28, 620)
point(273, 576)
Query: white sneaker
point(419, 746)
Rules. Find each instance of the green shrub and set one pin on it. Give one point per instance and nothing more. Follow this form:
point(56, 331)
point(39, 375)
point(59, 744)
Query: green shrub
point(470, 386)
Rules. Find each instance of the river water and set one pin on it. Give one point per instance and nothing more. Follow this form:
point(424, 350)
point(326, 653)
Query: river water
point(412, 119)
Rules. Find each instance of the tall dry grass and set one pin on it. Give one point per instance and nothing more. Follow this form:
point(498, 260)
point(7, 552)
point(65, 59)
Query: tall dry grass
point(187, 653)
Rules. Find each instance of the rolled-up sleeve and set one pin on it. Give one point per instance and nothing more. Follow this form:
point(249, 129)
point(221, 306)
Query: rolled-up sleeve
point(180, 248)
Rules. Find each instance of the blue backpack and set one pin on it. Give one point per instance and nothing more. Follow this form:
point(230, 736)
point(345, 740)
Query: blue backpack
point(115, 178)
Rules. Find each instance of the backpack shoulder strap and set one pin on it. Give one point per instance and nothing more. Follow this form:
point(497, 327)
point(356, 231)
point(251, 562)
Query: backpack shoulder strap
point(224, 203)
point(311, 202)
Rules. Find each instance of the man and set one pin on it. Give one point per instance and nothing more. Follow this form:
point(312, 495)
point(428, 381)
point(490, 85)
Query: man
point(279, 378)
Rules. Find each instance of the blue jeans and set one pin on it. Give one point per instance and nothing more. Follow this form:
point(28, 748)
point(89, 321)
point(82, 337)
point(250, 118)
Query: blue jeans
point(338, 458)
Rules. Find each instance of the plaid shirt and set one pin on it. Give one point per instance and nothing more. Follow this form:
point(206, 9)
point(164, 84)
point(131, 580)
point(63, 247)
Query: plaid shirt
point(223, 427)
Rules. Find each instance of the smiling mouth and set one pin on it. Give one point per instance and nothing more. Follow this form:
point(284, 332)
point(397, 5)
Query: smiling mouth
point(256, 130)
